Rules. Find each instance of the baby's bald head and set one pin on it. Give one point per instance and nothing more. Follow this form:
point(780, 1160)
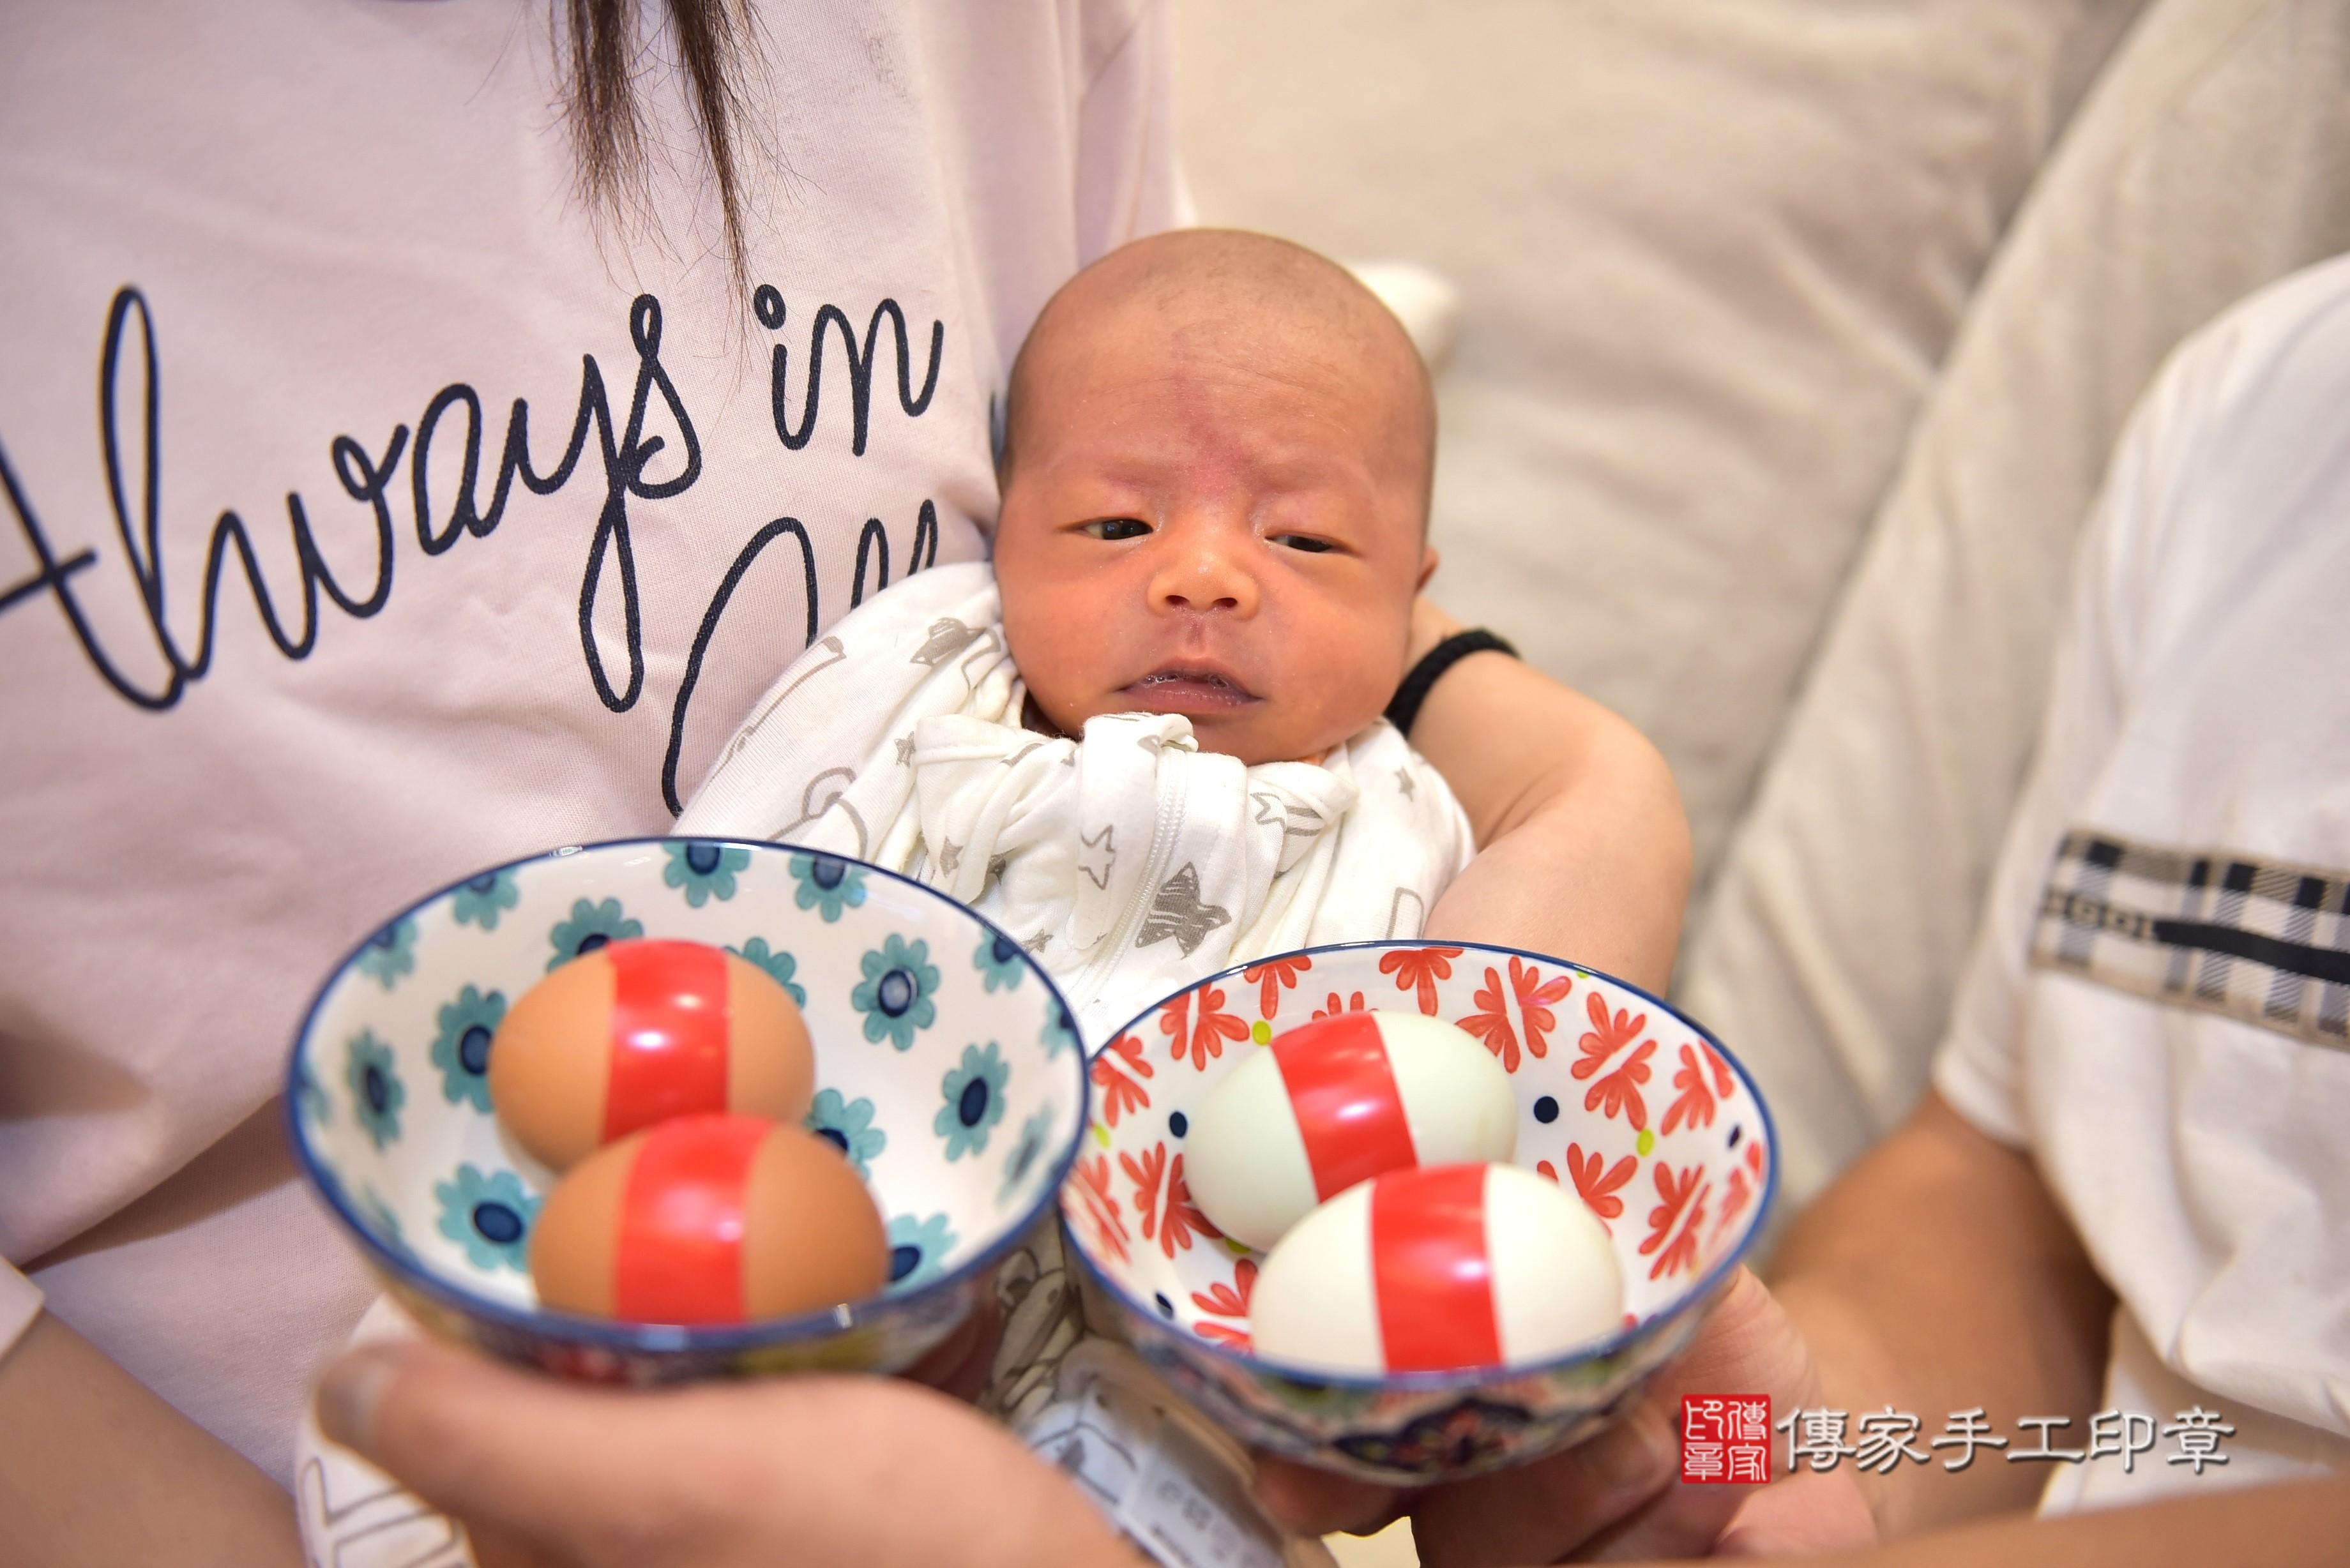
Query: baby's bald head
point(1216, 465)
point(1227, 292)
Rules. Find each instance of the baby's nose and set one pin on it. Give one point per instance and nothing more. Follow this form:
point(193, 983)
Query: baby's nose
point(1206, 580)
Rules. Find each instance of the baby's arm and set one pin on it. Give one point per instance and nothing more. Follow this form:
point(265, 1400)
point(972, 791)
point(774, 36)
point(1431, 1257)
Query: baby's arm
point(1582, 849)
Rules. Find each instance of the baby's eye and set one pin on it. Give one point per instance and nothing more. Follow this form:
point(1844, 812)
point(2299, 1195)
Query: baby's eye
point(1306, 542)
point(1114, 528)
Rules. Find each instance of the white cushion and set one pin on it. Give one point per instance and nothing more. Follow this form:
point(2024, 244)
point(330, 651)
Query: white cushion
point(2213, 158)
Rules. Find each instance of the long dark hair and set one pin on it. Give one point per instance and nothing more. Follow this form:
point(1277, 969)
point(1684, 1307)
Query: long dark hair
point(718, 42)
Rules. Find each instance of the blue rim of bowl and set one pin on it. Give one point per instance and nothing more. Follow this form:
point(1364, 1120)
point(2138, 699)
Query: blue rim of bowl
point(670, 1339)
point(1468, 1377)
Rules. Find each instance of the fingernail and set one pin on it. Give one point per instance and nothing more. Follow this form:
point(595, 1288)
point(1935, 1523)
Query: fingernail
point(1633, 1456)
point(350, 1392)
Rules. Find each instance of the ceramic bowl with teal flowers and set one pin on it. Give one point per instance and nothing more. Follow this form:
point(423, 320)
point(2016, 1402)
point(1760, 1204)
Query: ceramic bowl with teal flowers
point(948, 1072)
point(1621, 1099)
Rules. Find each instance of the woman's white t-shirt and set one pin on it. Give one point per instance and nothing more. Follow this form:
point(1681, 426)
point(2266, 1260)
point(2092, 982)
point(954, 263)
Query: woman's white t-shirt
point(373, 512)
point(2160, 1006)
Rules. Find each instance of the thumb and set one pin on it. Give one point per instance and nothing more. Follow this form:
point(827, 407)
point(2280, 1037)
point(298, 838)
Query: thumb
point(528, 1457)
point(1308, 1502)
point(811, 1468)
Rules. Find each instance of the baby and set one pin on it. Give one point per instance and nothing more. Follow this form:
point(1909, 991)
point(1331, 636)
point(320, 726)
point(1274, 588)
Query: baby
point(1149, 743)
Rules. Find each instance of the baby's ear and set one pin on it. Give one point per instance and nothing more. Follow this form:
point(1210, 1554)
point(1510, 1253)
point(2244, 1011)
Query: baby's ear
point(1427, 567)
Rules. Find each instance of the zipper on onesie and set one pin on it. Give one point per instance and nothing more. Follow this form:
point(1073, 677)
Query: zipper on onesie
point(1094, 981)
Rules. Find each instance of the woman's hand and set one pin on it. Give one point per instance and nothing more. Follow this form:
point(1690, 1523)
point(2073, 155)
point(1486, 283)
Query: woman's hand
point(1619, 1496)
point(818, 1471)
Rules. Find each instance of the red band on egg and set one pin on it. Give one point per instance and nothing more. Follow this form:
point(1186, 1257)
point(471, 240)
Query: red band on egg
point(1431, 1271)
point(670, 1034)
point(1344, 1094)
point(679, 1258)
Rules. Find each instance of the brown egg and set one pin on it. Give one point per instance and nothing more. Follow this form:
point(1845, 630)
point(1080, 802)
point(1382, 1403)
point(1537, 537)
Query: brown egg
point(638, 1031)
point(708, 1220)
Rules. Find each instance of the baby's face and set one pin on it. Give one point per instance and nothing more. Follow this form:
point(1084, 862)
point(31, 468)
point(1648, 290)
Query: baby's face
point(1224, 523)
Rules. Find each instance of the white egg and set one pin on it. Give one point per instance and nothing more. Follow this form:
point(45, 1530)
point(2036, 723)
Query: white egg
point(1438, 1268)
point(1337, 1102)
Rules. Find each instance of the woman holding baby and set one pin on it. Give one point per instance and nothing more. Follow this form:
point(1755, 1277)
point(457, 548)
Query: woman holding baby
point(372, 625)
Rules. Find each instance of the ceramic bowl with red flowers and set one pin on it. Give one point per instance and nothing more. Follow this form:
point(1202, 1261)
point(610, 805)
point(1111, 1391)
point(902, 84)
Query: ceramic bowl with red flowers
point(1621, 1099)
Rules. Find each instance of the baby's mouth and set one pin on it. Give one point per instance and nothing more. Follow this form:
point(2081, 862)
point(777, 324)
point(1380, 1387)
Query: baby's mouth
point(1189, 688)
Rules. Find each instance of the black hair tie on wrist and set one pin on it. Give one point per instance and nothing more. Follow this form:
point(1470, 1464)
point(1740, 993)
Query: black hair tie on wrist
point(1405, 706)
